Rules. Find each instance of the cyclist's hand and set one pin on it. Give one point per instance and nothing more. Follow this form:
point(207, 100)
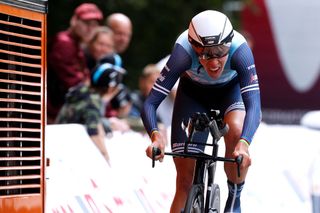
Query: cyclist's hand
point(157, 141)
point(242, 149)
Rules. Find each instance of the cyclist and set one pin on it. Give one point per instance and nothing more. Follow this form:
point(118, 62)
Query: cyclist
point(217, 71)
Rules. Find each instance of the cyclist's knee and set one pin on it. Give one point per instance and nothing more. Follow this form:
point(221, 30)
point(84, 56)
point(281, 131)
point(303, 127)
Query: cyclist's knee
point(235, 121)
point(233, 135)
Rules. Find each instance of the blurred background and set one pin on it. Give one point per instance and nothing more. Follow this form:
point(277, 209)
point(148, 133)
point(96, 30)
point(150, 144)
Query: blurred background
point(156, 25)
point(58, 167)
point(282, 34)
point(283, 37)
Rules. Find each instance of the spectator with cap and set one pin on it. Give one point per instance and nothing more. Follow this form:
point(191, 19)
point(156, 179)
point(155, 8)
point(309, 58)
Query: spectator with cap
point(84, 103)
point(122, 27)
point(66, 61)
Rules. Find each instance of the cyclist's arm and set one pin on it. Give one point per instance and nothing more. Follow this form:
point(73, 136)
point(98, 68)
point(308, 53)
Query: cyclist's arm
point(178, 62)
point(243, 62)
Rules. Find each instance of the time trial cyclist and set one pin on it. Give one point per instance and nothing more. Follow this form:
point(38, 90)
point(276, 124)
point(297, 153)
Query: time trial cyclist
point(217, 71)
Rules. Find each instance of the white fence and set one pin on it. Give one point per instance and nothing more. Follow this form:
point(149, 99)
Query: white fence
point(79, 180)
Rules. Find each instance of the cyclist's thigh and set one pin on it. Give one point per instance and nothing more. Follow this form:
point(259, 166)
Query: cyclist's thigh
point(184, 107)
point(231, 98)
point(234, 114)
point(185, 168)
point(235, 120)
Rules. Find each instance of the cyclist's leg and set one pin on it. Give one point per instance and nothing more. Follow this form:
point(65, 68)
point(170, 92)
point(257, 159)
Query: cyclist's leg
point(234, 116)
point(234, 119)
point(185, 169)
point(184, 107)
point(235, 184)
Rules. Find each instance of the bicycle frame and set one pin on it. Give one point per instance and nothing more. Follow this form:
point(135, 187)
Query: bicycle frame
point(205, 167)
point(205, 164)
point(203, 159)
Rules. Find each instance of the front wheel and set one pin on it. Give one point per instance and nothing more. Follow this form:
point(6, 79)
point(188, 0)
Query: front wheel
point(214, 206)
point(195, 201)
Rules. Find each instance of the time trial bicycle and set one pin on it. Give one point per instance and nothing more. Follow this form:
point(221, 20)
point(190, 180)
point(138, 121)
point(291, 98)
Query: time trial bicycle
point(204, 195)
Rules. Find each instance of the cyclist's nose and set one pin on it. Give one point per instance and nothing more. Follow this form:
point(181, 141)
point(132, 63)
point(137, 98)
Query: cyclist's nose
point(213, 62)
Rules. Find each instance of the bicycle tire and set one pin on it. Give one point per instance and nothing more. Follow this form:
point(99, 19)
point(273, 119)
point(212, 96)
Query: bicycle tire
point(195, 200)
point(214, 206)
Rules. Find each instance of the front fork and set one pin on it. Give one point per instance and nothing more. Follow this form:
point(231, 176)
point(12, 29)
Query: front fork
point(200, 178)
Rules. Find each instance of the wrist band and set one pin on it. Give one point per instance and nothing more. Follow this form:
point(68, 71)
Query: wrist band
point(153, 132)
point(244, 141)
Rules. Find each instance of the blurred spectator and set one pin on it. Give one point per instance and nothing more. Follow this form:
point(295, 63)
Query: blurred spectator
point(111, 109)
point(101, 45)
point(121, 104)
point(66, 61)
point(84, 103)
point(147, 78)
point(122, 27)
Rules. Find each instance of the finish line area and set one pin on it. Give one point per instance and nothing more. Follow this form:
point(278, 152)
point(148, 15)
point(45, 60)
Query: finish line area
point(79, 179)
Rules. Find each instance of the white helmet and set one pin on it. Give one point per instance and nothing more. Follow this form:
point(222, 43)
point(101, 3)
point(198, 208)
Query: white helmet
point(212, 31)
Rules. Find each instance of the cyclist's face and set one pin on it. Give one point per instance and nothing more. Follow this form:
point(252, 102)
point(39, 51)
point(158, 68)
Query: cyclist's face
point(213, 65)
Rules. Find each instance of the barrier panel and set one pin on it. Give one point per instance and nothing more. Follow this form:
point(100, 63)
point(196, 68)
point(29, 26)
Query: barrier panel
point(79, 179)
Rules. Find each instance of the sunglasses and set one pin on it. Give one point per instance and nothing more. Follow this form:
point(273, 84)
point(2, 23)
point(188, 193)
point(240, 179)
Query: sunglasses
point(216, 51)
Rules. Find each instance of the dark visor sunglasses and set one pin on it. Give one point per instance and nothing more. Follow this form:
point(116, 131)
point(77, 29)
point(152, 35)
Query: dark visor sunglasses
point(216, 51)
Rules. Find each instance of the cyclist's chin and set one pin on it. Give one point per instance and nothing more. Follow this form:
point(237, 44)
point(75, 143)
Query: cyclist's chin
point(215, 74)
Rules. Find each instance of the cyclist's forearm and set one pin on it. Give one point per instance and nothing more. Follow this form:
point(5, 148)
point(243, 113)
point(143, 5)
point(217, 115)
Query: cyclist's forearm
point(149, 117)
point(253, 116)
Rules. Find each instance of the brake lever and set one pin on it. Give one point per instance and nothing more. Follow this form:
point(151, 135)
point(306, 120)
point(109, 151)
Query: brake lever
point(155, 151)
point(239, 161)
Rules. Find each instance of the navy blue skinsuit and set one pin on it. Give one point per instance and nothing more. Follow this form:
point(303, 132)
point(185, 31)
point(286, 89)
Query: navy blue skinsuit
point(237, 88)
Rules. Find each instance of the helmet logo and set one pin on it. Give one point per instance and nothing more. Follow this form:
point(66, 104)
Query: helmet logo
point(210, 40)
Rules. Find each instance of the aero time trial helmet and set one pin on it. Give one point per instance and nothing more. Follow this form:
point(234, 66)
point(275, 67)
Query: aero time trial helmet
point(210, 33)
